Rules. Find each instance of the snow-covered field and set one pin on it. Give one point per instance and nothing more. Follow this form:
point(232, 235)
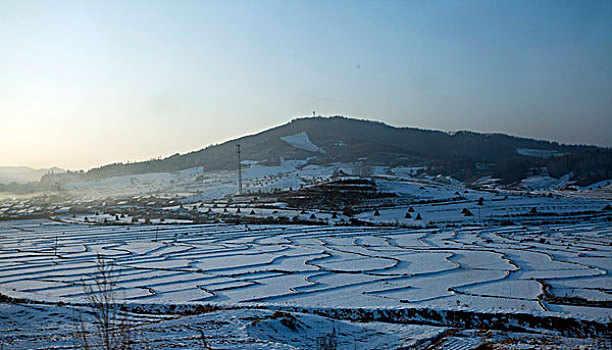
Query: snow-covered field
point(431, 264)
point(443, 277)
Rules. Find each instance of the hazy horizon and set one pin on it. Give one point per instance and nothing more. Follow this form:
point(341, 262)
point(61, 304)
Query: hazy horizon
point(90, 83)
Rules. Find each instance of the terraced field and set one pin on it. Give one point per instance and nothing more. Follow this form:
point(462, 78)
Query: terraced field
point(545, 271)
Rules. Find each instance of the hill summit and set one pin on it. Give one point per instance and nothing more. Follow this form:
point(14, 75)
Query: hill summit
point(464, 155)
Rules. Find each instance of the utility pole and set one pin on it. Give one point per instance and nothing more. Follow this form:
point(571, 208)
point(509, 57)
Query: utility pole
point(239, 170)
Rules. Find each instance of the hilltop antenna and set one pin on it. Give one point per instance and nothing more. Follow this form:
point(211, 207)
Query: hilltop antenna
point(239, 170)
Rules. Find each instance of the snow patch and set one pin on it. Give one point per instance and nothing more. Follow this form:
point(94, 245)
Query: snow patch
point(302, 141)
point(540, 182)
point(539, 153)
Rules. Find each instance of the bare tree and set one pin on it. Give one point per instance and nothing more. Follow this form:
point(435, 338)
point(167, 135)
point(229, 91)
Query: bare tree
point(108, 328)
point(109, 332)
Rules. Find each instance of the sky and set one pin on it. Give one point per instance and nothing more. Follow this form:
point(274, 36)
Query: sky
point(87, 83)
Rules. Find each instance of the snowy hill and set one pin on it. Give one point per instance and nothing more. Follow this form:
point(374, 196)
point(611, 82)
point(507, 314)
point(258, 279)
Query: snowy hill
point(324, 141)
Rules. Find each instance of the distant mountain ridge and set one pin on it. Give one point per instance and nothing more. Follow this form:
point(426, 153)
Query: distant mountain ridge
point(465, 155)
point(23, 174)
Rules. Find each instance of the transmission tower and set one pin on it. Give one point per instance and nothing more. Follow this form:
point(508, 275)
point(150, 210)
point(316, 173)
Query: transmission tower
point(239, 170)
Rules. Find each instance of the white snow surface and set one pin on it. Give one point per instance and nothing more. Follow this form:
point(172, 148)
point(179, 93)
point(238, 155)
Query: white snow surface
point(545, 182)
point(539, 153)
point(302, 141)
point(222, 329)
